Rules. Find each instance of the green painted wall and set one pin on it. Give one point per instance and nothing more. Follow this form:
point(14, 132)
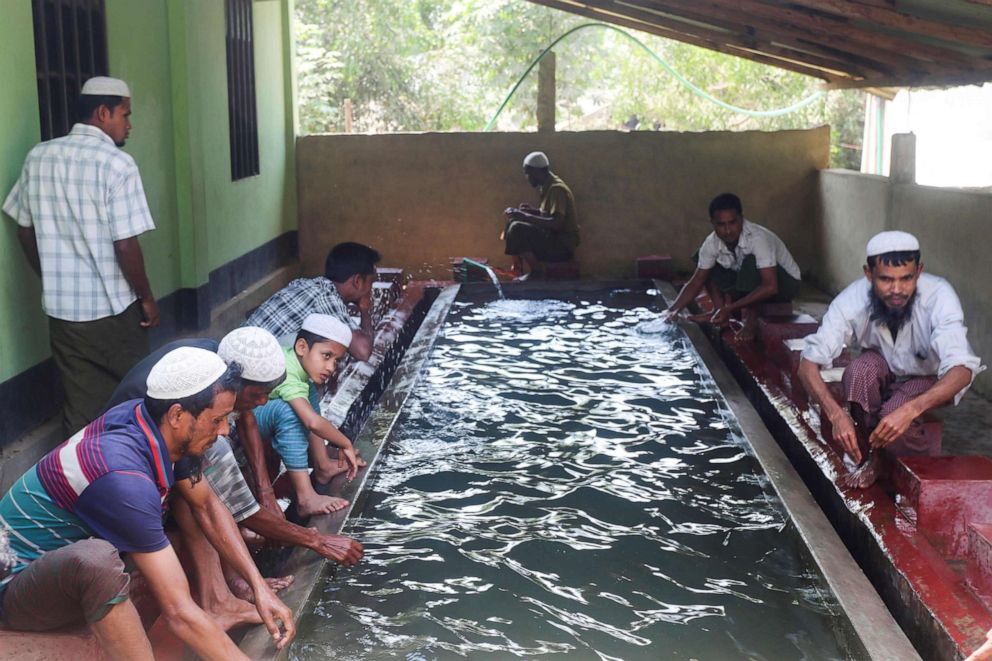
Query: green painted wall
point(172, 53)
point(23, 328)
point(244, 214)
point(138, 46)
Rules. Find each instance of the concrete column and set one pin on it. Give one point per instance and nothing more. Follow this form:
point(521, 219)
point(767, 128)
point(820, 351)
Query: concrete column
point(902, 164)
point(546, 94)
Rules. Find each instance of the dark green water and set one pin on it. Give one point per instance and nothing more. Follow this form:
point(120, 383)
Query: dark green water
point(561, 484)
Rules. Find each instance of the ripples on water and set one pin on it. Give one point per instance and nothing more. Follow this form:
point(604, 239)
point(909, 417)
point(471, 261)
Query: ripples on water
point(562, 484)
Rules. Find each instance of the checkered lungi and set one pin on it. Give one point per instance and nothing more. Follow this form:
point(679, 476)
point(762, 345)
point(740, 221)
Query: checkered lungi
point(869, 384)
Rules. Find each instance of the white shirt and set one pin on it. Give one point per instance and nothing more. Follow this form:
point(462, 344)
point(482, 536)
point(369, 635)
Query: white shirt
point(81, 193)
point(767, 248)
point(930, 343)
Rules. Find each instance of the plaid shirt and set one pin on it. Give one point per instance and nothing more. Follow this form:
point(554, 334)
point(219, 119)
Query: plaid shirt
point(81, 193)
point(283, 313)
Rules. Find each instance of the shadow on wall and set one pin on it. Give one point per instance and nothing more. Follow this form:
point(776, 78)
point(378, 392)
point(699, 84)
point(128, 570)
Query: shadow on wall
point(423, 198)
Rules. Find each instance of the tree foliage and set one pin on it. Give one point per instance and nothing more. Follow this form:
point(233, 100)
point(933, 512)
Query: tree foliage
point(444, 65)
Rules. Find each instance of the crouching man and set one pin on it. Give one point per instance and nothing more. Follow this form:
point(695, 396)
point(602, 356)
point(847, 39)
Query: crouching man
point(101, 494)
point(914, 357)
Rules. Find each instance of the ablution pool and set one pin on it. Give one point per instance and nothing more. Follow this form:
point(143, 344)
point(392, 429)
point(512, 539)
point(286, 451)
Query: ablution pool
point(566, 480)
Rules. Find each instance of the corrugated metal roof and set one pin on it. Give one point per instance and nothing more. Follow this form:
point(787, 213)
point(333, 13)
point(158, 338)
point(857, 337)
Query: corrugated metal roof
point(847, 43)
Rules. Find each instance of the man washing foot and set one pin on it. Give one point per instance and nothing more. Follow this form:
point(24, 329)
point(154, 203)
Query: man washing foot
point(914, 358)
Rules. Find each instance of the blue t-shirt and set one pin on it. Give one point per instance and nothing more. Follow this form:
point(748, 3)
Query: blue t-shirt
point(110, 480)
point(134, 385)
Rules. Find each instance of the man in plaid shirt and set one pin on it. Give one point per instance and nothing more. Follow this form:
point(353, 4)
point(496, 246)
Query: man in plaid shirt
point(349, 273)
point(79, 206)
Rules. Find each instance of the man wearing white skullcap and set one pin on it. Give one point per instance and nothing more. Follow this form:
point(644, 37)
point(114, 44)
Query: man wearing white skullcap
point(80, 206)
point(292, 419)
point(263, 367)
point(102, 492)
point(549, 233)
point(915, 355)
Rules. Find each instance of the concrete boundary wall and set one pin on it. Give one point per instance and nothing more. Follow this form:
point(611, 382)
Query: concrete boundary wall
point(422, 198)
point(955, 231)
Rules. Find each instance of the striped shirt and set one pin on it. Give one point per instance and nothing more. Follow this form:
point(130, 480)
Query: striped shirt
point(110, 480)
point(81, 193)
point(283, 312)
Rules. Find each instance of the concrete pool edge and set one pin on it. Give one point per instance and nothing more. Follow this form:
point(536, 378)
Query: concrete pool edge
point(872, 621)
point(306, 565)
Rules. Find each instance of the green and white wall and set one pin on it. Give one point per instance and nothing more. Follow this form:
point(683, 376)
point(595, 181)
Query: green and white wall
point(211, 233)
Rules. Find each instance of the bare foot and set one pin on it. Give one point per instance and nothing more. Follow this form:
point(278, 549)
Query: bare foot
point(749, 329)
point(252, 539)
point(318, 504)
point(324, 474)
point(864, 475)
point(240, 589)
point(233, 613)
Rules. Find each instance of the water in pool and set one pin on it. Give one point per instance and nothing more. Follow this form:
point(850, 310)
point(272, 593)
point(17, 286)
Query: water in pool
point(560, 483)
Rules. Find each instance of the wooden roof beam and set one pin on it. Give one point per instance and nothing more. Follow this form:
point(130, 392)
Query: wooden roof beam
point(846, 60)
point(895, 63)
point(734, 38)
point(893, 19)
point(946, 78)
point(583, 9)
point(842, 29)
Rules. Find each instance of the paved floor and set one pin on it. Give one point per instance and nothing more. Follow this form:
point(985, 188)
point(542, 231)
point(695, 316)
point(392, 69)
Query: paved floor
point(967, 426)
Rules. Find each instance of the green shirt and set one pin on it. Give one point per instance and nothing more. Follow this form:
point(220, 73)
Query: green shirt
point(297, 383)
point(557, 200)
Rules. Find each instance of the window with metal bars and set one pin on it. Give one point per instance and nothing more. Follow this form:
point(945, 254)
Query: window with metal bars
point(70, 45)
point(241, 89)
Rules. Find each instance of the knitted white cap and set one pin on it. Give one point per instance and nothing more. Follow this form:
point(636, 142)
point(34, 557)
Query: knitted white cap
point(183, 372)
point(104, 86)
point(256, 350)
point(537, 159)
point(893, 241)
point(328, 327)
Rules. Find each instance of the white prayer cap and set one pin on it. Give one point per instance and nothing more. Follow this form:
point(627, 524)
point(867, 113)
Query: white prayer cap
point(183, 372)
point(256, 350)
point(537, 159)
point(884, 242)
point(328, 327)
point(104, 86)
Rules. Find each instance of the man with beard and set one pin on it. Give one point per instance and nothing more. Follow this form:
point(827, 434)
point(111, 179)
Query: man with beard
point(914, 357)
point(100, 495)
point(548, 233)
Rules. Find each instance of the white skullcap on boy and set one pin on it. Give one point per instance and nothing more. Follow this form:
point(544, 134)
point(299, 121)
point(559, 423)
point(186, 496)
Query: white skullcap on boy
point(893, 241)
point(183, 372)
point(104, 86)
point(537, 159)
point(256, 350)
point(328, 327)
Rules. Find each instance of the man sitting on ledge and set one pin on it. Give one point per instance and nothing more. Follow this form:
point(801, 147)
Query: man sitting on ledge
point(914, 357)
point(549, 233)
point(741, 264)
point(101, 494)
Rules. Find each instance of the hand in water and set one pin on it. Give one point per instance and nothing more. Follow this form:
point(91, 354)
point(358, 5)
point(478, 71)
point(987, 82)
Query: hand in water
point(346, 456)
point(664, 322)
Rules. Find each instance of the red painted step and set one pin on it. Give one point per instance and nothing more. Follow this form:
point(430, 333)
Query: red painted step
point(979, 572)
point(774, 330)
point(783, 309)
point(944, 495)
point(561, 270)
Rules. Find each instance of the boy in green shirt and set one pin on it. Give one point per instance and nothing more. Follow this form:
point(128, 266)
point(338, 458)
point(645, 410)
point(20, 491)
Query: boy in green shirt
point(291, 417)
